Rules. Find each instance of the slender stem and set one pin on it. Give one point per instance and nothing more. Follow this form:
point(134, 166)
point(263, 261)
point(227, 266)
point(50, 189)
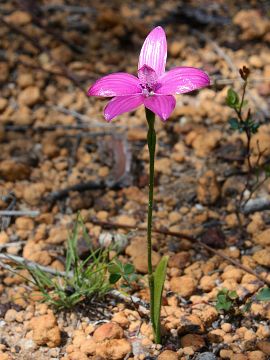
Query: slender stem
point(151, 141)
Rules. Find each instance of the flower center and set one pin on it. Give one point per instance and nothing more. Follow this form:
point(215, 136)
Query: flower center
point(147, 91)
point(148, 80)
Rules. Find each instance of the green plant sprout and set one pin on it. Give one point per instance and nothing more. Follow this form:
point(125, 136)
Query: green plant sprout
point(244, 123)
point(226, 300)
point(229, 302)
point(118, 270)
point(82, 279)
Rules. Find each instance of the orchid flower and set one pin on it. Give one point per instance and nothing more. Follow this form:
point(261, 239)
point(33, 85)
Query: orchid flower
point(154, 88)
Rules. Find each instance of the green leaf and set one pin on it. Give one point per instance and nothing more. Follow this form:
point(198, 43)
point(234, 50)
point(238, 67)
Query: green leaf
point(158, 278)
point(234, 124)
point(264, 294)
point(114, 278)
point(232, 99)
point(129, 269)
point(226, 305)
point(232, 295)
point(114, 268)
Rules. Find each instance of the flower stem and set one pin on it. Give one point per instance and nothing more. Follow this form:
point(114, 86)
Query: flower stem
point(151, 141)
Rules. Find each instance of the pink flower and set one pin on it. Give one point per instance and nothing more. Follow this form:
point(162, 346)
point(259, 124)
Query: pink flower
point(154, 88)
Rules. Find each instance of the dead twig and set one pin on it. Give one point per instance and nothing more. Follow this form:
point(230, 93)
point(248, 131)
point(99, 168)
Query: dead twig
point(60, 194)
point(12, 244)
point(19, 213)
point(30, 264)
point(69, 8)
point(193, 240)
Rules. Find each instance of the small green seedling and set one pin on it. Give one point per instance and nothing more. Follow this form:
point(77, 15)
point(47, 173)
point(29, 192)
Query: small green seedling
point(118, 270)
point(226, 300)
point(264, 294)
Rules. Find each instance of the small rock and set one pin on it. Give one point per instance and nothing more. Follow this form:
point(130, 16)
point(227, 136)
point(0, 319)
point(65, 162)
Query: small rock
point(3, 104)
point(188, 351)
point(206, 356)
point(179, 260)
point(33, 192)
point(264, 346)
point(208, 190)
point(207, 283)
point(108, 331)
point(207, 313)
point(11, 315)
point(62, 53)
point(88, 346)
point(4, 71)
point(204, 143)
point(4, 238)
point(25, 80)
point(195, 341)
point(12, 170)
point(121, 319)
point(232, 273)
point(77, 355)
point(262, 257)
point(252, 23)
point(138, 252)
point(216, 336)
point(29, 96)
point(256, 355)
point(227, 327)
point(4, 356)
point(190, 323)
point(127, 220)
point(263, 238)
point(163, 166)
point(141, 264)
point(57, 235)
point(168, 355)
point(24, 223)
point(115, 349)
point(176, 47)
point(50, 149)
point(183, 285)
point(239, 357)
point(45, 330)
point(19, 18)
point(225, 354)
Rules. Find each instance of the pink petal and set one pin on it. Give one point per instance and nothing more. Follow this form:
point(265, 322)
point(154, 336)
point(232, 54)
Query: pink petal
point(154, 51)
point(181, 80)
point(161, 105)
point(122, 104)
point(147, 76)
point(117, 84)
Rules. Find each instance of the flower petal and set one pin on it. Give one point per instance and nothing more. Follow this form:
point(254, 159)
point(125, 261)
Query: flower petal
point(182, 80)
point(147, 76)
point(122, 104)
point(117, 84)
point(162, 106)
point(154, 51)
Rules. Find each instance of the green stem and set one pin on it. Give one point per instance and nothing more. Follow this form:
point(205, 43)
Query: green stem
point(151, 141)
